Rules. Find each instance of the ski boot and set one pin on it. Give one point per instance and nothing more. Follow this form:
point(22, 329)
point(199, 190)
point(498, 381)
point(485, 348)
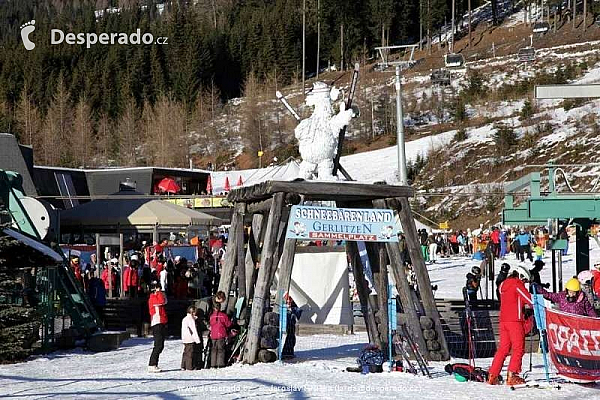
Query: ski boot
point(513, 379)
point(493, 380)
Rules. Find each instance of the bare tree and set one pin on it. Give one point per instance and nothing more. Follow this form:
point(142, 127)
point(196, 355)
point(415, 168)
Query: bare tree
point(127, 132)
point(57, 138)
point(83, 134)
point(29, 120)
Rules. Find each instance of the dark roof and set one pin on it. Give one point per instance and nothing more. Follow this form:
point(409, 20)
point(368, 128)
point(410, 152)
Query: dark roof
point(11, 159)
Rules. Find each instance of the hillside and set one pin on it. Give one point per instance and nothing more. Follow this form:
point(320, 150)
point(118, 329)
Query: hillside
point(479, 133)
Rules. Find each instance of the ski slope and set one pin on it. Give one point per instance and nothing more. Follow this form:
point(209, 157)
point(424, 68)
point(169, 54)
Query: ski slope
point(317, 372)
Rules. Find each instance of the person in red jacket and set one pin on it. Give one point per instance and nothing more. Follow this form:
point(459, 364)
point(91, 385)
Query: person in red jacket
point(77, 269)
point(113, 275)
point(131, 279)
point(219, 325)
point(495, 238)
point(158, 322)
point(513, 326)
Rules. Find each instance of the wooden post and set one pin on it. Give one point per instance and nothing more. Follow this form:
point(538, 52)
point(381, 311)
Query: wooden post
point(241, 265)
point(121, 259)
point(286, 265)
point(280, 245)
point(402, 286)
point(408, 224)
point(378, 260)
point(97, 272)
point(252, 252)
point(363, 292)
point(261, 292)
point(230, 256)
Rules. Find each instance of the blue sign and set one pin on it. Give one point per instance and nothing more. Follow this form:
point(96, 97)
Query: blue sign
point(356, 224)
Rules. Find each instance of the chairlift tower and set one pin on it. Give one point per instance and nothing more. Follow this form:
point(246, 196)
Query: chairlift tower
point(384, 52)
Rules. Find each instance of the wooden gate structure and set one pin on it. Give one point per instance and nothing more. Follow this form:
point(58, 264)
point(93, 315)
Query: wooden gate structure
point(250, 273)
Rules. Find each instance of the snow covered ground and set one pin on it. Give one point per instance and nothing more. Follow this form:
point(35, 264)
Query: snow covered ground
point(317, 372)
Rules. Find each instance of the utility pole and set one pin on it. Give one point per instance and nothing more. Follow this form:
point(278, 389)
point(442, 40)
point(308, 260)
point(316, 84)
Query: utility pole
point(318, 35)
point(303, 46)
point(452, 45)
point(469, 2)
point(402, 174)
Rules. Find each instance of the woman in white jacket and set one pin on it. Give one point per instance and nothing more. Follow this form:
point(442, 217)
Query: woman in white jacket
point(190, 339)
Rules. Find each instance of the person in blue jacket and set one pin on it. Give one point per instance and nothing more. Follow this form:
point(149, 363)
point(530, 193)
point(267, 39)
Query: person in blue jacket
point(524, 243)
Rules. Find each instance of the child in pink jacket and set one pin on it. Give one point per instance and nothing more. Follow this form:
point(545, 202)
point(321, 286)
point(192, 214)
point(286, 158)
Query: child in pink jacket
point(219, 326)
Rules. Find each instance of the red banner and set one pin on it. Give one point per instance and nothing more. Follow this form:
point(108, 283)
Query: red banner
point(574, 345)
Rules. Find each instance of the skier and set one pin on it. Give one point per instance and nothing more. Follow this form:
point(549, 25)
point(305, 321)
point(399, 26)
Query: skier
point(503, 243)
point(293, 315)
point(502, 275)
point(524, 240)
point(158, 321)
point(513, 327)
point(424, 240)
point(130, 276)
point(572, 300)
point(472, 285)
point(535, 274)
point(432, 249)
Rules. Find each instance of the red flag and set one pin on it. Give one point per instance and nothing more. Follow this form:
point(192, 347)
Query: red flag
point(227, 186)
point(209, 185)
point(239, 182)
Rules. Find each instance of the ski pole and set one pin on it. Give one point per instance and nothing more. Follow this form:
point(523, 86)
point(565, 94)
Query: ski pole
point(530, 353)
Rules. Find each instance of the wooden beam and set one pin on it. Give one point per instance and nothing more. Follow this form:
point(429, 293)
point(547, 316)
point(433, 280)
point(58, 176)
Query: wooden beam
point(261, 292)
point(378, 262)
point(412, 241)
point(363, 293)
point(319, 190)
point(285, 266)
point(241, 264)
point(226, 279)
point(262, 206)
point(402, 286)
point(252, 252)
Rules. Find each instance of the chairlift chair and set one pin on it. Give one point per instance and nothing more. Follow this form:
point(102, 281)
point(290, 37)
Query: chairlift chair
point(526, 54)
point(440, 77)
point(541, 27)
point(454, 60)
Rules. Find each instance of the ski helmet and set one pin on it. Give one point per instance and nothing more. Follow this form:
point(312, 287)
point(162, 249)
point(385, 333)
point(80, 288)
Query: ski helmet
point(585, 276)
point(505, 268)
point(476, 270)
point(573, 285)
point(521, 272)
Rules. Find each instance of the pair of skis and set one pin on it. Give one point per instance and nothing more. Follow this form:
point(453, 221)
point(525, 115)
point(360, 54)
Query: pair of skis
point(469, 320)
point(404, 336)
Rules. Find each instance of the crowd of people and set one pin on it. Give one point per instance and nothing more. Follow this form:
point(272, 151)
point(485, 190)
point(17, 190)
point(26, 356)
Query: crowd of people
point(495, 241)
point(178, 277)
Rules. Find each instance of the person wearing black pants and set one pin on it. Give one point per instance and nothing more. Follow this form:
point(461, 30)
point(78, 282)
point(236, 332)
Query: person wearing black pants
point(159, 332)
point(158, 321)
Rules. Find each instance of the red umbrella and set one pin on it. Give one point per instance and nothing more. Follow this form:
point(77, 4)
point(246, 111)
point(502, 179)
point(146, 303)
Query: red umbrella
point(227, 186)
point(168, 185)
point(209, 185)
point(239, 182)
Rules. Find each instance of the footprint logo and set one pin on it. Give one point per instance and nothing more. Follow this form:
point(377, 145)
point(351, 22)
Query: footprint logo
point(26, 29)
